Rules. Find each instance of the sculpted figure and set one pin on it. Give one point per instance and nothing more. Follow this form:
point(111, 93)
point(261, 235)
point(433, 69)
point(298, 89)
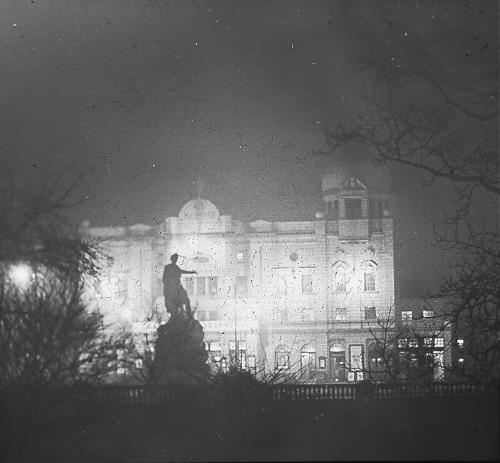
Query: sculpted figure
point(175, 295)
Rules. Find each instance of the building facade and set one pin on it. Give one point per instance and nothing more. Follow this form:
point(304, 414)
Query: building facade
point(304, 299)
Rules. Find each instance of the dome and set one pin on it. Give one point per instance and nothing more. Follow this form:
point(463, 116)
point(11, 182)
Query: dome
point(199, 210)
point(354, 161)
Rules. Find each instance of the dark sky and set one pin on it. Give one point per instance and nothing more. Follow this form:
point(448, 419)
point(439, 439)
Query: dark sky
point(148, 96)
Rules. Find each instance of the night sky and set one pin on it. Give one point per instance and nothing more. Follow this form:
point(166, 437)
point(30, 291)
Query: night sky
point(149, 96)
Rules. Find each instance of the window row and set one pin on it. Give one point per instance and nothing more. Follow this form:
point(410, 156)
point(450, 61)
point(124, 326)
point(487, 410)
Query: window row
point(341, 313)
point(428, 342)
point(203, 286)
point(377, 209)
point(407, 315)
point(340, 283)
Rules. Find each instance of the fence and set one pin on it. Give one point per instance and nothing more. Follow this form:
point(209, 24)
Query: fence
point(169, 394)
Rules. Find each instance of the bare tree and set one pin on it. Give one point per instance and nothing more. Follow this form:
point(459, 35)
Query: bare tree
point(432, 103)
point(51, 344)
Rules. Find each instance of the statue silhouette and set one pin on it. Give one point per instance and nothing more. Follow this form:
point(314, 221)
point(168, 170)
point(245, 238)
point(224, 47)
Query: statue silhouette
point(176, 298)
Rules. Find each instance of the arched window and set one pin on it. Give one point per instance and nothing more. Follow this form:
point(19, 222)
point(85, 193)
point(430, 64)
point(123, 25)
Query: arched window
point(282, 357)
point(370, 268)
point(340, 276)
point(308, 358)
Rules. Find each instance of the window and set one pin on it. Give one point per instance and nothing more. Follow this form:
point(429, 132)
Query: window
point(213, 315)
point(428, 359)
point(212, 285)
point(281, 314)
point(307, 284)
point(322, 363)
point(412, 342)
point(340, 313)
point(428, 313)
point(460, 343)
point(402, 343)
point(340, 281)
point(438, 342)
point(308, 358)
point(428, 342)
point(200, 286)
point(138, 364)
point(406, 315)
point(370, 313)
point(241, 286)
point(369, 281)
point(353, 209)
point(282, 358)
point(189, 285)
point(307, 315)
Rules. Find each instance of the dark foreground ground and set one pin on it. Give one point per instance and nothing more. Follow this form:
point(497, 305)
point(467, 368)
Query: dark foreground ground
point(230, 430)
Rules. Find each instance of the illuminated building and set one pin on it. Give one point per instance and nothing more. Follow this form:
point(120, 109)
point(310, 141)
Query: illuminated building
point(281, 296)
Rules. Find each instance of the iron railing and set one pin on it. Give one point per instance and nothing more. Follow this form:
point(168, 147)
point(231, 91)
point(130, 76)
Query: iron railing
point(339, 391)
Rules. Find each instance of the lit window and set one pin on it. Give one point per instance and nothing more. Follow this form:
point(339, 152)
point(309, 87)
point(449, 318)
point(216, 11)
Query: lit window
point(461, 360)
point(215, 346)
point(439, 342)
point(322, 363)
point(428, 342)
point(138, 364)
point(402, 342)
point(412, 342)
point(406, 315)
point(212, 285)
point(200, 286)
point(370, 313)
point(340, 313)
point(460, 343)
point(413, 360)
point(241, 286)
point(428, 313)
point(369, 281)
point(307, 284)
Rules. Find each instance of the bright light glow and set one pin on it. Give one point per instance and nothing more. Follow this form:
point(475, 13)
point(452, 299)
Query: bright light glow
point(20, 275)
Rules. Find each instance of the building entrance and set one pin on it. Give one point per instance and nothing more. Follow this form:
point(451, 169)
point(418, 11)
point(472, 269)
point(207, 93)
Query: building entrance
point(337, 366)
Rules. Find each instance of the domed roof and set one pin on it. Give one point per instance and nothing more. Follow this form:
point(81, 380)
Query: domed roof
point(199, 210)
point(354, 161)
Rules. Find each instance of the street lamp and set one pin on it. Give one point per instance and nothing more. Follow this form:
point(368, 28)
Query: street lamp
point(20, 275)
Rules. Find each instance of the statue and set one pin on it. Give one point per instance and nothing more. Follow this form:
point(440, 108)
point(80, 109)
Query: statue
point(176, 298)
point(180, 355)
